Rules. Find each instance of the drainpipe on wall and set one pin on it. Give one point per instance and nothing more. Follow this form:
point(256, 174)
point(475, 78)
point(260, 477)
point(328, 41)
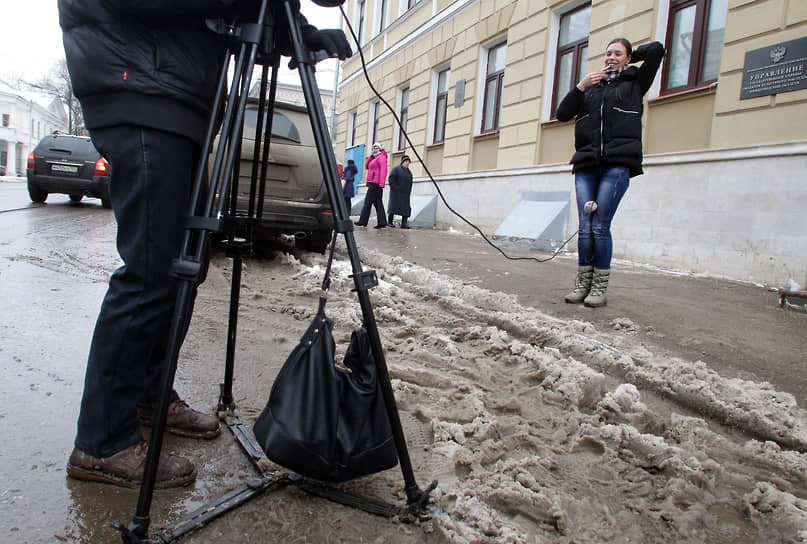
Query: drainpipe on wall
point(335, 84)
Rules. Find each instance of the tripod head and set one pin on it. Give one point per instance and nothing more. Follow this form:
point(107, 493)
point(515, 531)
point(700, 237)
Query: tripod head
point(269, 28)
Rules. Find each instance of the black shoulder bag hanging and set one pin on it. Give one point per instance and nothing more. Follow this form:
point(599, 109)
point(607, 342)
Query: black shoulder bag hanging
point(323, 421)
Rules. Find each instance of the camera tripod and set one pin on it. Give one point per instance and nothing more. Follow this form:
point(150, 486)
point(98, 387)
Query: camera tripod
point(251, 44)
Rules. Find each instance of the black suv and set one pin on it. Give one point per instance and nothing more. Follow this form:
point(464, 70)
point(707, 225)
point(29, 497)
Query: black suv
point(295, 199)
point(61, 163)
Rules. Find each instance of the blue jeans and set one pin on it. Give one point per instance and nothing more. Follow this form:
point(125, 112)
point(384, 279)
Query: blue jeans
point(606, 186)
point(152, 175)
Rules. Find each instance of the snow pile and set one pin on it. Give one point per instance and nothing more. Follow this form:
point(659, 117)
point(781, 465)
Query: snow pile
point(545, 430)
point(779, 514)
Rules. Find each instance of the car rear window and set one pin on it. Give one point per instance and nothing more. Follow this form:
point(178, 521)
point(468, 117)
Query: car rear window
point(67, 145)
point(282, 126)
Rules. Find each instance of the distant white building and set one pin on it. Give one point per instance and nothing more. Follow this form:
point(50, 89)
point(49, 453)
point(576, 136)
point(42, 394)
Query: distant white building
point(24, 120)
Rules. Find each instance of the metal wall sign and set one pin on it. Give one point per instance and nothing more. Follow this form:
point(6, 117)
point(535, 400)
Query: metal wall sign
point(775, 69)
point(459, 93)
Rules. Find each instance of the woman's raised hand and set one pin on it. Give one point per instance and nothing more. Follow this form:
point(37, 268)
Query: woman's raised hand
point(592, 78)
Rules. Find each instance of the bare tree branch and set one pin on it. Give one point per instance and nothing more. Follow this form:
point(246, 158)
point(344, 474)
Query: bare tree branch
point(57, 84)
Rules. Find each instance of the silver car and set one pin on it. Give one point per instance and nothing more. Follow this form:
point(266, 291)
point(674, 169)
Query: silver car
point(295, 199)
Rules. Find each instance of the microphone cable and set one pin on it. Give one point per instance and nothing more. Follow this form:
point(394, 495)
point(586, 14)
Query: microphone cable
point(426, 168)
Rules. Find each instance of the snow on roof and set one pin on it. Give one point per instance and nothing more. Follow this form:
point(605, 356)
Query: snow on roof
point(42, 99)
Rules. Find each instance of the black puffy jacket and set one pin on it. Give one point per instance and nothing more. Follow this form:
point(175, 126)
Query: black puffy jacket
point(146, 62)
point(608, 116)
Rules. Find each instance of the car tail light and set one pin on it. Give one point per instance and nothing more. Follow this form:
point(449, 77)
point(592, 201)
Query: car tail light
point(101, 167)
point(327, 210)
point(31, 160)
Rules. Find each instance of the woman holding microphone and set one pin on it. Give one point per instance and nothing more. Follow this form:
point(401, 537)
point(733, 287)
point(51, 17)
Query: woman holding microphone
point(607, 106)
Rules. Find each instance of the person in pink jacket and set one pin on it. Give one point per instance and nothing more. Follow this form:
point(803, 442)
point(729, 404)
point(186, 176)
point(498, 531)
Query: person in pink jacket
point(376, 168)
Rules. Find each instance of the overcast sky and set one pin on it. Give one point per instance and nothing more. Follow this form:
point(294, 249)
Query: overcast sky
point(31, 40)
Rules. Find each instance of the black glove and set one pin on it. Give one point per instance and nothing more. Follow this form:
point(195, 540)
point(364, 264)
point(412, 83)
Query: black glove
point(333, 41)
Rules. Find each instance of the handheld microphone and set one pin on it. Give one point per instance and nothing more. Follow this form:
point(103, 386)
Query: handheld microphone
point(609, 74)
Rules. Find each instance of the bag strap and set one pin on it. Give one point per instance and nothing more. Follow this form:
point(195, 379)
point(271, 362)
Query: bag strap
point(326, 281)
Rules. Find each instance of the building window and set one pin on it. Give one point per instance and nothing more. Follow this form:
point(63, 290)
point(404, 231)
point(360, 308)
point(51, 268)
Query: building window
point(695, 32)
point(351, 129)
point(494, 81)
point(403, 115)
point(570, 66)
point(374, 115)
point(441, 106)
point(362, 8)
point(411, 3)
point(6, 119)
point(382, 11)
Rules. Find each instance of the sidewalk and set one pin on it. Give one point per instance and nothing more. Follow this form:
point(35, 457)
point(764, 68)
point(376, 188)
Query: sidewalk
point(736, 328)
point(12, 195)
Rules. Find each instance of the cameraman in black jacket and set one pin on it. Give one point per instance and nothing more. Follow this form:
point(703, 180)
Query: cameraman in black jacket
point(145, 72)
point(607, 106)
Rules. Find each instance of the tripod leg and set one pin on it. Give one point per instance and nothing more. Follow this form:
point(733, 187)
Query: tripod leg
point(415, 497)
point(184, 306)
point(240, 224)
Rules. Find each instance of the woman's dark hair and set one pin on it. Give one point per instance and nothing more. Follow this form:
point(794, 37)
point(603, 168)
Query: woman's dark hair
point(623, 41)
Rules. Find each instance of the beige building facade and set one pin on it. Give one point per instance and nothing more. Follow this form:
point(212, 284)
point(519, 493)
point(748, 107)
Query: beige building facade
point(474, 83)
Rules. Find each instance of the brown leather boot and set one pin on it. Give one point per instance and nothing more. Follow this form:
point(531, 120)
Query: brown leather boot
point(125, 468)
point(183, 420)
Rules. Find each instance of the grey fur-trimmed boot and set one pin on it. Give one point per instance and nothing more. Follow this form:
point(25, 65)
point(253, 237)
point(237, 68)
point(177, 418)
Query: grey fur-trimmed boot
point(582, 285)
point(599, 285)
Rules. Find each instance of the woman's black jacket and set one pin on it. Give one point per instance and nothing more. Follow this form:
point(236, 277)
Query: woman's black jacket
point(608, 125)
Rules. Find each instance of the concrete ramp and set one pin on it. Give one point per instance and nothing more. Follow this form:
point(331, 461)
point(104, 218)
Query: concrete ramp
point(424, 209)
point(356, 203)
point(537, 222)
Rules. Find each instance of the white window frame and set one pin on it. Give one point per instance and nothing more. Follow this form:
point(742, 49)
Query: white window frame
point(399, 142)
point(403, 7)
point(375, 107)
point(380, 25)
point(552, 55)
point(433, 101)
point(357, 16)
point(481, 80)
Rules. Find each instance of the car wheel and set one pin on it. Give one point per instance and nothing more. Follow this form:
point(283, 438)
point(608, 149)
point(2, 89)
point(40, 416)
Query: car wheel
point(316, 241)
point(76, 198)
point(37, 194)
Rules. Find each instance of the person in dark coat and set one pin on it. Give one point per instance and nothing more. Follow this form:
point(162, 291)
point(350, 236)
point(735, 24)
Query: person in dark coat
point(607, 107)
point(146, 74)
point(400, 186)
point(348, 177)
